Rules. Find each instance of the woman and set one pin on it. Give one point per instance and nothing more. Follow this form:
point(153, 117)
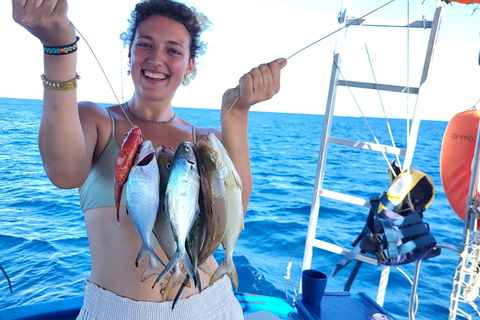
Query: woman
point(79, 143)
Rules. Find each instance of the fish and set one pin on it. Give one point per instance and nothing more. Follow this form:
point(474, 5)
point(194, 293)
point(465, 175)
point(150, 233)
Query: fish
point(193, 244)
point(162, 228)
point(213, 172)
point(123, 164)
point(235, 223)
point(181, 199)
point(143, 185)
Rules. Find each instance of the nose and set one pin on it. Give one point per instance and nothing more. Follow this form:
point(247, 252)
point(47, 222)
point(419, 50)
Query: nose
point(158, 57)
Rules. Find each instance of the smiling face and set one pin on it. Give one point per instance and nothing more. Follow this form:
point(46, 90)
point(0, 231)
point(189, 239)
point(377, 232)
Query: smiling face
point(160, 58)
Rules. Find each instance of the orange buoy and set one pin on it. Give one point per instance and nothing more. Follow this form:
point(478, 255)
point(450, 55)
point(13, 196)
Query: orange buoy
point(458, 149)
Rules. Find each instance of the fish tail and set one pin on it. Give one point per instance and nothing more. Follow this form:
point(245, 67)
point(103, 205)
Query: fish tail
point(205, 268)
point(143, 252)
point(185, 283)
point(118, 197)
point(153, 267)
point(172, 263)
point(227, 267)
point(187, 264)
point(177, 277)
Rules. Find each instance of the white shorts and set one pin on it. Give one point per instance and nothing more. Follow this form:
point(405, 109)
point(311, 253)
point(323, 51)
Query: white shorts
point(216, 302)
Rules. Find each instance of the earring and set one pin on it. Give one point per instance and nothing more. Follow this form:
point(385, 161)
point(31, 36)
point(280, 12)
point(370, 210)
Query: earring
point(128, 71)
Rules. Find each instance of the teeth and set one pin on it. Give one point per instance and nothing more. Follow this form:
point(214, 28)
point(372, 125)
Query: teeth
point(155, 75)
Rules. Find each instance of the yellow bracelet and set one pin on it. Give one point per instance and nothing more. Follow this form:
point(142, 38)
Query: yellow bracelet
point(62, 86)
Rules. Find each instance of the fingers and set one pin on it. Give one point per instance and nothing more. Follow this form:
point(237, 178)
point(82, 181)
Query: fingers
point(263, 82)
point(45, 19)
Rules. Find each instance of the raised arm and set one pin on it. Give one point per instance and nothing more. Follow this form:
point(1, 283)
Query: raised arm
point(66, 155)
point(258, 85)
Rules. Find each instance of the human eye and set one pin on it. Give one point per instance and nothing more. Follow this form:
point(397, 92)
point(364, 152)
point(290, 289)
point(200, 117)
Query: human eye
point(143, 45)
point(175, 51)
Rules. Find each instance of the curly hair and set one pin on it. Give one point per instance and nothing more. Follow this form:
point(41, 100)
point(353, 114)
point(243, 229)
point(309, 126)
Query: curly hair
point(193, 21)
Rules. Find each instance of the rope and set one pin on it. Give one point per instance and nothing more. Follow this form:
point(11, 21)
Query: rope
point(287, 277)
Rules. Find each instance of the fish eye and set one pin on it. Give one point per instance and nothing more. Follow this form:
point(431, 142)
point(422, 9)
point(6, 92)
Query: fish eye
point(213, 158)
point(169, 165)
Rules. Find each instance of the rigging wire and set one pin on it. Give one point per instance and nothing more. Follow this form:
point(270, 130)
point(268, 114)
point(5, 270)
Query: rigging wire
point(345, 26)
point(365, 119)
point(408, 73)
point(381, 103)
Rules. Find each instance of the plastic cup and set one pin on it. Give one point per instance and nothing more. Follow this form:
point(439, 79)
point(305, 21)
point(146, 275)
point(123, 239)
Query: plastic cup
point(313, 286)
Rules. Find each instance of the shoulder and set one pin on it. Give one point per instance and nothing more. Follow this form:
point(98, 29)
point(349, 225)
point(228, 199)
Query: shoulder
point(205, 131)
point(88, 109)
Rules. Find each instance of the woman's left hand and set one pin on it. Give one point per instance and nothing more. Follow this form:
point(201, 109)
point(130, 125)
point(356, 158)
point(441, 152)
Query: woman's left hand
point(258, 85)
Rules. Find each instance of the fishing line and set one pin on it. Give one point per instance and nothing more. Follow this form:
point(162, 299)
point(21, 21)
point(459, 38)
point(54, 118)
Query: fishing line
point(345, 26)
point(313, 43)
point(105, 75)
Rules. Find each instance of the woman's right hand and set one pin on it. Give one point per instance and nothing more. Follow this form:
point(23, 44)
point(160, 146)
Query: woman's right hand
point(45, 19)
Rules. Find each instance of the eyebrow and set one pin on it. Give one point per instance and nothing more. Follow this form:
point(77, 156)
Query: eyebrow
point(171, 42)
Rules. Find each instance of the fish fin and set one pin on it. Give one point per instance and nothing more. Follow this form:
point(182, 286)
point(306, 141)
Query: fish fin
point(205, 268)
point(141, 255)
point(173, 261)
point(227, 267)
point(176, 277)
point(182, 289)
point(153, 267)
point(118, 196)
point(187, 263)
point(199, 283)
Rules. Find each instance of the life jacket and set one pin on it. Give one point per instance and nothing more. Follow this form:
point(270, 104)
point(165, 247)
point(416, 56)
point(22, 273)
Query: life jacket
point(394, 232)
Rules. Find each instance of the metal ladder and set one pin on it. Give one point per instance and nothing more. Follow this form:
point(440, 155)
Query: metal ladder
point(335, 82)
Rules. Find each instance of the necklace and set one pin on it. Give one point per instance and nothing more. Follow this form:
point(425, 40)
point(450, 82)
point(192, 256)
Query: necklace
point(149, 121)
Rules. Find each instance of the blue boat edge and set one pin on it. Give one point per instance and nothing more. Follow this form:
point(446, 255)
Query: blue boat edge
point(69, 308)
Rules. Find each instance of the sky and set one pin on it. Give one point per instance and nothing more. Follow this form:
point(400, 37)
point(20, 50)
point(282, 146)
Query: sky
point(247, 33)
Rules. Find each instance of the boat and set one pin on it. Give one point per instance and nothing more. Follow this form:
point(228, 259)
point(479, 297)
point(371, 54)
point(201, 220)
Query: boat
point(344, 304)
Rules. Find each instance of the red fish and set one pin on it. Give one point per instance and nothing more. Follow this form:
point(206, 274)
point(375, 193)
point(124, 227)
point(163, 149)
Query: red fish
point(124, 163)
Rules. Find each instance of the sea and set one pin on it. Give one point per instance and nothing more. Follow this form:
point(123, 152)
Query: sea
point(44, 246)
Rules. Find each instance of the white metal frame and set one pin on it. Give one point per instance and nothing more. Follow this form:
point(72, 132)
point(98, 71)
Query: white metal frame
point(335, 81)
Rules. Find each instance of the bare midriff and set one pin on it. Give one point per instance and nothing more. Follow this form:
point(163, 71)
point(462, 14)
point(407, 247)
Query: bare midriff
point(114, 249)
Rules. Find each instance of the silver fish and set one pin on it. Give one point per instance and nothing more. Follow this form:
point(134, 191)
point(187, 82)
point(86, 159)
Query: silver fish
point(182, 196)
point(162, 228)
point(142, 203)
point(213, 172)
point(234, 217)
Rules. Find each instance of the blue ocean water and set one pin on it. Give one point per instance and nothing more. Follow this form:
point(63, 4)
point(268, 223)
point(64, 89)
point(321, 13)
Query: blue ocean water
point(44, 247)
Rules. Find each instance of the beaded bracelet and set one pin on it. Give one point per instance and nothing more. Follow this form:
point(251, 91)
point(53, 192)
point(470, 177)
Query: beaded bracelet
point(56, 51)
point(62, 86)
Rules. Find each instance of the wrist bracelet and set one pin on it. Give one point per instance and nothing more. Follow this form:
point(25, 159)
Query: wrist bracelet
point(62, 86)
point(57, 51)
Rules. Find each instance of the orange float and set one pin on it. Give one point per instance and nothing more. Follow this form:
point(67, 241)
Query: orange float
point(458, 149)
